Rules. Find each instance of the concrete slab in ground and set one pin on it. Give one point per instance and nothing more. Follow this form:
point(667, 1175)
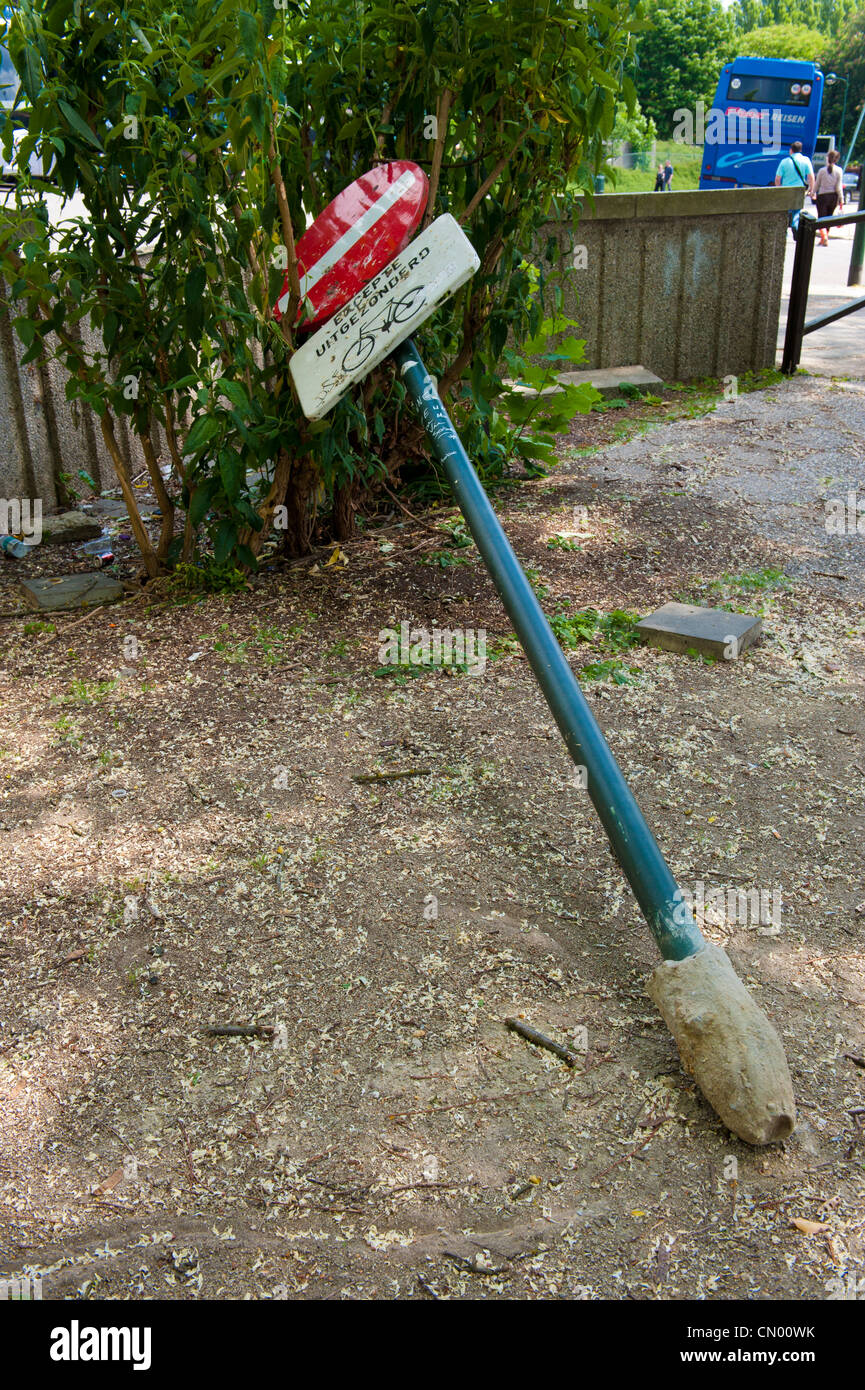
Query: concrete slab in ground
point(106, 506)
point(71, 591)
point(69, 526)
point(608, 380)
point(682, 627)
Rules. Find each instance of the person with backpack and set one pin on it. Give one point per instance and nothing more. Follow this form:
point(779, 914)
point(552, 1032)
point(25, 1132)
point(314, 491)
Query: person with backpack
point(829, 190)
point(796, 169)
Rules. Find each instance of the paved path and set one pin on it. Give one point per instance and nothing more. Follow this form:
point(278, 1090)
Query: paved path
point(839, 349)
point(768, 456)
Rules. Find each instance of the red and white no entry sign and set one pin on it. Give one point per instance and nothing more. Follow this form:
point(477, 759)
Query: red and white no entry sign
point(381, 315)
point(364, 227)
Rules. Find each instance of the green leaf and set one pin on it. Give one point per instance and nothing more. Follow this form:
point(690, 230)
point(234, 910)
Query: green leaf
point(78, 123)
point(249, 39)
point(232, 473)
point(351, 128)
point(225, 541)
point(26, 330)
point(31, 78)
point(110, 325)
point(203, 430)
point(193, 297)
point(200, 501)
point(536, 449)
point(234, 391)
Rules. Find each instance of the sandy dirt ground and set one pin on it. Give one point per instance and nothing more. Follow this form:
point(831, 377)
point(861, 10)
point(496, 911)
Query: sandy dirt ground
point(185, 843)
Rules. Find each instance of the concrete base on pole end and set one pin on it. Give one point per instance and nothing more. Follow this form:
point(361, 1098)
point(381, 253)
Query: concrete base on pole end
point(727, 1044)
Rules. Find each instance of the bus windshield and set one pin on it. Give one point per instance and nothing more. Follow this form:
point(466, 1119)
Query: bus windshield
point(778, 90)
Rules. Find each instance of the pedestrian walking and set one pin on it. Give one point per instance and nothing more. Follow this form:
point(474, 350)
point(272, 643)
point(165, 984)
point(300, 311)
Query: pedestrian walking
point(795, 169)
point(829, 190)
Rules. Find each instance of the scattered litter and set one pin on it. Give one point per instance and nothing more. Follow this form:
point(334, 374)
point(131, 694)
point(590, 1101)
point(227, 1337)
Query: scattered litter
point(10, 545)
point(809, 1228)
point(100, 548)
point(74, 955)
point(108, 1184)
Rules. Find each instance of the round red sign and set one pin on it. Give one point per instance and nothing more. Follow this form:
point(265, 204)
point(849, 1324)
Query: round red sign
point(365, 226)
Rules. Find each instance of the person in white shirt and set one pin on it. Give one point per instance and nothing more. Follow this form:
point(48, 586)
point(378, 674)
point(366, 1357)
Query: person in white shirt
point(829, 190)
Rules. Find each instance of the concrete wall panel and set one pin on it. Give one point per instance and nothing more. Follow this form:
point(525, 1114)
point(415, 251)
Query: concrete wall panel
point(687, 284)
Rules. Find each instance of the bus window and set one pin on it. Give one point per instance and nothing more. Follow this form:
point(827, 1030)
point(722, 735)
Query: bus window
point(777, 91)
point(824, 144)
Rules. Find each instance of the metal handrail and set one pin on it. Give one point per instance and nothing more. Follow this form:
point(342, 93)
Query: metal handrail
point(798, 303)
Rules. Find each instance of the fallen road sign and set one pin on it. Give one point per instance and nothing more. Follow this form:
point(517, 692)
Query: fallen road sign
point(386, 311)
point(355, 237)
point(725, 1039)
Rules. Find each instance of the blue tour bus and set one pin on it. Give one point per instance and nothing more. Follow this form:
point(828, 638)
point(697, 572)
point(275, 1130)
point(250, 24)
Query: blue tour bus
point(761, 106)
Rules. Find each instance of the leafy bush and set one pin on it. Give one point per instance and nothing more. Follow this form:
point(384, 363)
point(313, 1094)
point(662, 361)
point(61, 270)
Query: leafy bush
point(845, 54)
point(680, 55)
point(784, 41)
point(640, 131)
point(191, 143)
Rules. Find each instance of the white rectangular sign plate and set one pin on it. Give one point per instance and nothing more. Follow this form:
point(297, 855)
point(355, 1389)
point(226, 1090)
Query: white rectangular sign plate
point(384, 313)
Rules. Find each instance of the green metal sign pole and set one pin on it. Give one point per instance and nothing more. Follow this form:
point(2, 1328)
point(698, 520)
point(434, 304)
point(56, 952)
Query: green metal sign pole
point(636, 849)
point(724, 1038)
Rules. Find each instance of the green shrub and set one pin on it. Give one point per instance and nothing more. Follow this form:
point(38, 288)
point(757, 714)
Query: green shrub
point(201, 137)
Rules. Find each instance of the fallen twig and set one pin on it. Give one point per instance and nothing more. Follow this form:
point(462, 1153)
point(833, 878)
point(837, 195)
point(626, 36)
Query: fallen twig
point(532, 1035)
point(425, 1186)
point(239, 1030)
point(67, 627)
point(393, 776)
